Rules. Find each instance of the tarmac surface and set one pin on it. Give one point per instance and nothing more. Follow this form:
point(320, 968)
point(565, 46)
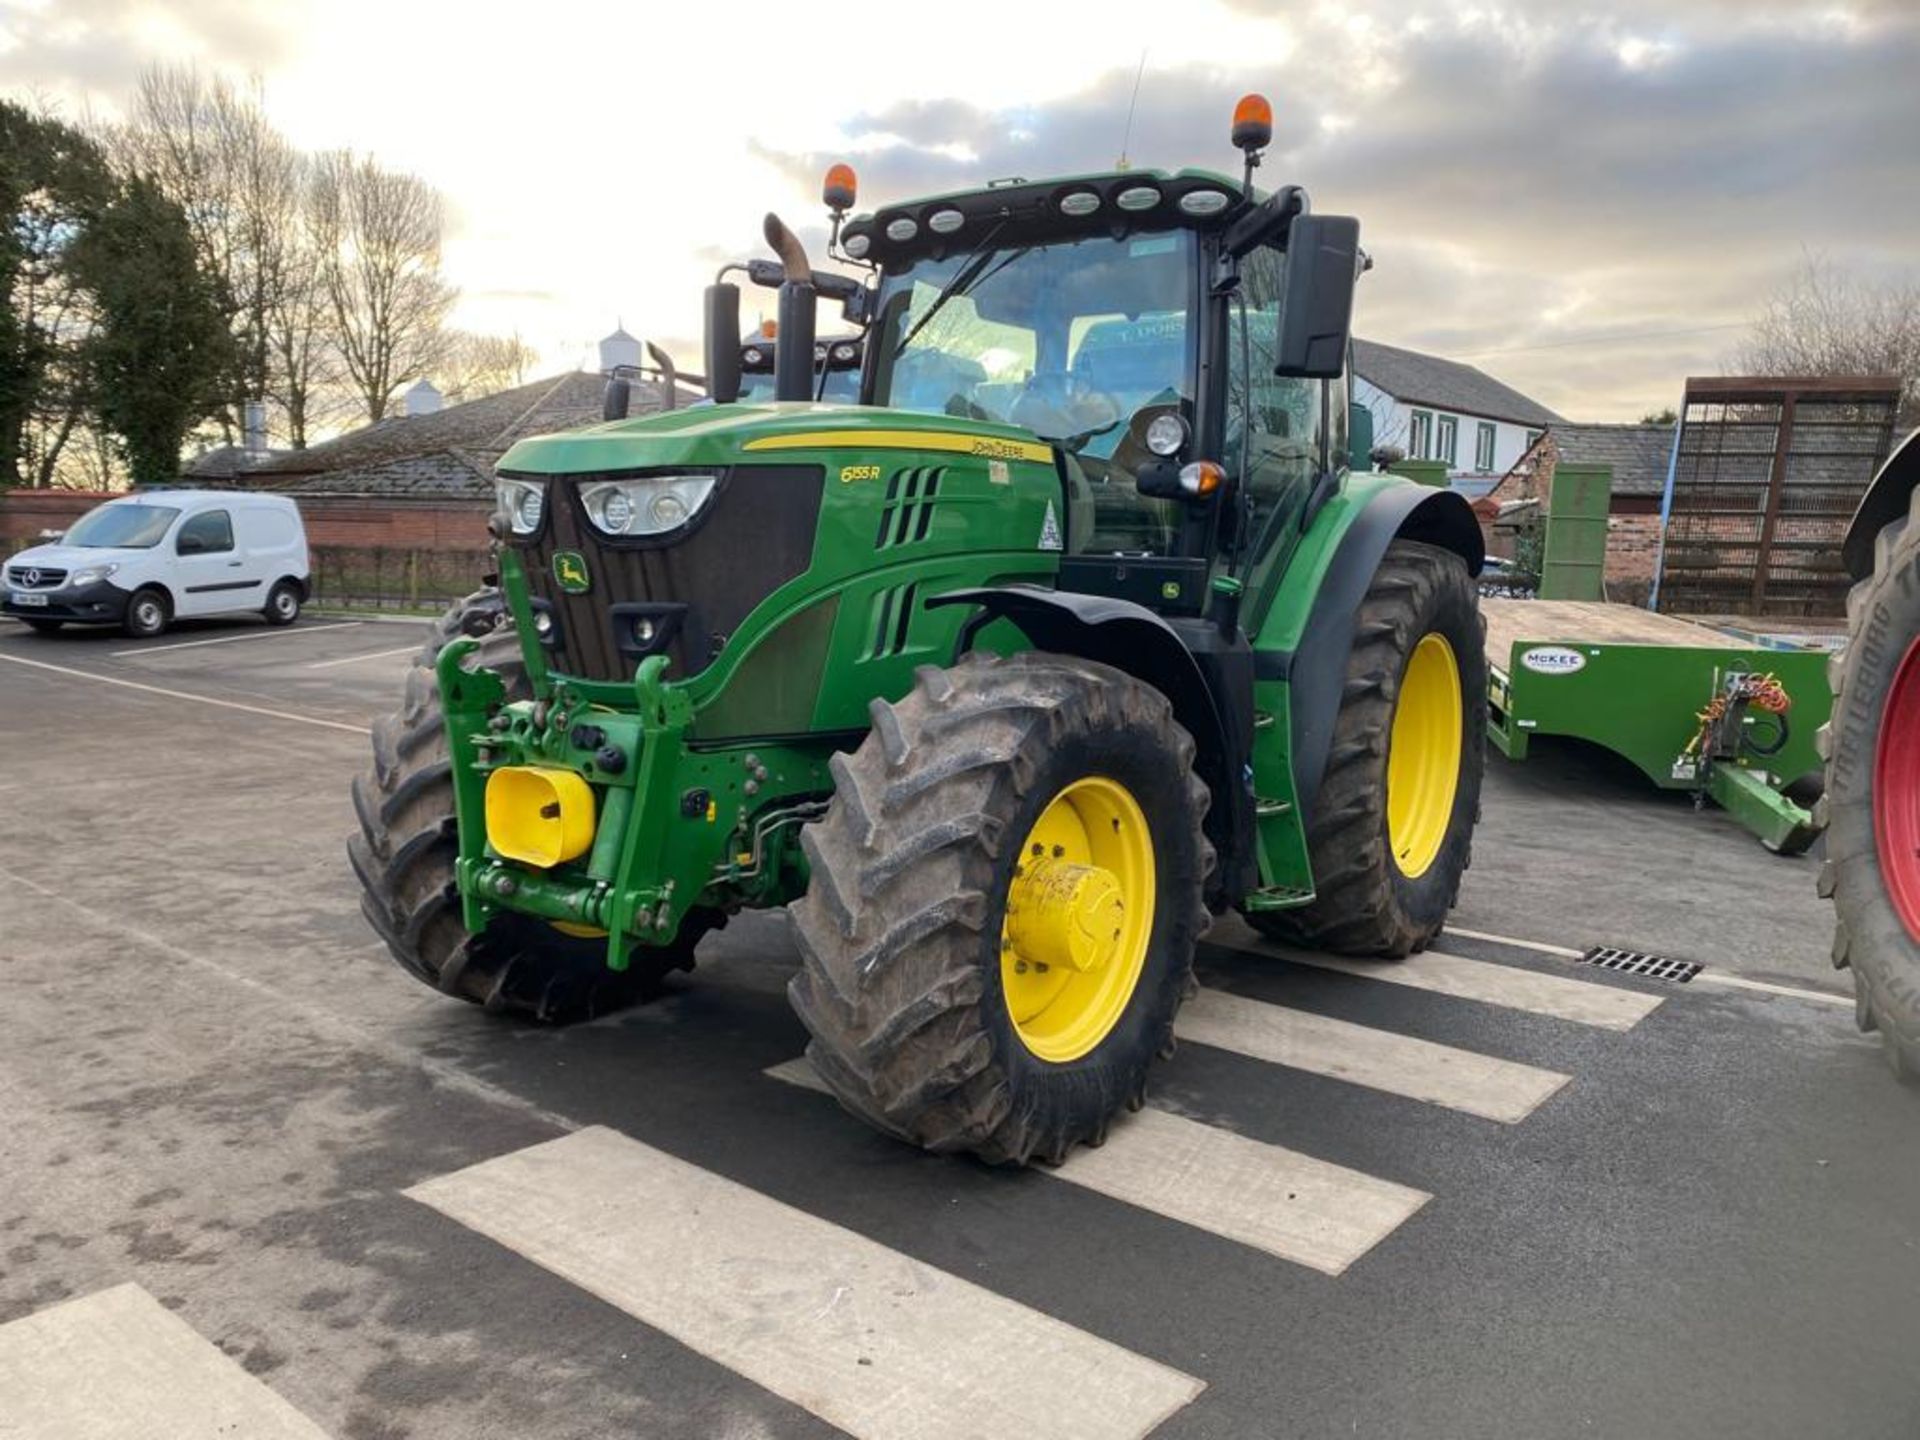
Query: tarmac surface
point(256, 1181)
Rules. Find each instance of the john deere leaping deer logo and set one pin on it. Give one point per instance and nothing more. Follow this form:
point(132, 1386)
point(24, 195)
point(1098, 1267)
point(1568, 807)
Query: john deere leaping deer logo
point(570, 570)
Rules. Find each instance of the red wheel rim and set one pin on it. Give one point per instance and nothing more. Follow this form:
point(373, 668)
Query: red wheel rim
point(1896, 792)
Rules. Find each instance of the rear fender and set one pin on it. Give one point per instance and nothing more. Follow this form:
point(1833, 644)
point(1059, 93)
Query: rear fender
point(1886, 501)
point(1315, 667)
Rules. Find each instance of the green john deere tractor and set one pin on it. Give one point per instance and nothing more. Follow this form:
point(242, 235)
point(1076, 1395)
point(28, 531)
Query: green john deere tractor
point(1076, 630)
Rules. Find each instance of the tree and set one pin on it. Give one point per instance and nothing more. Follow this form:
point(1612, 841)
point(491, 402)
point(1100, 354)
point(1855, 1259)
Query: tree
point(1668, 416)
point(51, 178)
point(472, 366)
point(161, 354)
point(378, 235)
point(1827, 321)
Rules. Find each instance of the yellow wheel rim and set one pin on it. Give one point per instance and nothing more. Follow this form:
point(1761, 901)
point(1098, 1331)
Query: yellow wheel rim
point(1079, 916)
point(1423, 756)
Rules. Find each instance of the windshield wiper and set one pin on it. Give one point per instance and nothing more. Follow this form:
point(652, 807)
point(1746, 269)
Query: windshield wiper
point(959, 283)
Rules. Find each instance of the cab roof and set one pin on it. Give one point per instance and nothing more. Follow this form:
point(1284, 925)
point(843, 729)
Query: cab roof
point(1030, 210)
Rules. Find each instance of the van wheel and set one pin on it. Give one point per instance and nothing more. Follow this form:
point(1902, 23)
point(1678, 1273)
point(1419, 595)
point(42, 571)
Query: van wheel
point(283, 604)
point(147, 614)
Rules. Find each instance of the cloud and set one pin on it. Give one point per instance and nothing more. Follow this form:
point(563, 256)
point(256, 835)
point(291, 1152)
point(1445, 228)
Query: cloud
point(99, 47)
point(1524, 180)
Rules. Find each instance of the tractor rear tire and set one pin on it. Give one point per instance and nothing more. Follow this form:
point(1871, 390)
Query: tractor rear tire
point(1876, 683)
point(906, 951)
point(405, 851)
point(1370, 900)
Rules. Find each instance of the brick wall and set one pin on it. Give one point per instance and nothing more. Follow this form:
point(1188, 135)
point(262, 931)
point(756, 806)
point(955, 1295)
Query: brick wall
point(1633, 523)
point(342, 521)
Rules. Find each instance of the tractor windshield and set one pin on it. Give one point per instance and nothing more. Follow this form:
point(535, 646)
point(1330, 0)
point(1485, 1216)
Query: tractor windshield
point(1071, 340)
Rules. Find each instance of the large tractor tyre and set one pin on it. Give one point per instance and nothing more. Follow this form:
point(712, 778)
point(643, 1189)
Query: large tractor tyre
point(1872, 803)
point(1391, 830)
point(1005, 897)
point(405, 852)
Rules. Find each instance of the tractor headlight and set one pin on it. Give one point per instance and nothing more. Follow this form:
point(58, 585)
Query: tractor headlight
point(521, 501)
point(645, 505)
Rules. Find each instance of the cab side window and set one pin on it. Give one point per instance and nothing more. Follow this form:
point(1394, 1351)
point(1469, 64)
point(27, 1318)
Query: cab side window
point(1276, 419)
point(207, 533)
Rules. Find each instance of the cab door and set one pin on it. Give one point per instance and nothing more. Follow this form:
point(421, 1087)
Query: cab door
point(210, 572)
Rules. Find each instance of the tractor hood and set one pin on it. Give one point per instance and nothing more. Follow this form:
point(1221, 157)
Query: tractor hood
point(775, 432)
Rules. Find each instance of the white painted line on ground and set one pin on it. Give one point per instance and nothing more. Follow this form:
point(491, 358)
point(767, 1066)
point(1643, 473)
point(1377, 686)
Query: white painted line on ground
point(324, 1022)
point(363, 616)
point(270, 632)
point(866, 1338)
point(117, 1365)
point(183, 695)
point(1710, 976)
point(1583, 1002)
point(371, 655)
point(1538, 947)
point(1465, 1080)
point(1767, 987)
point(1308, 1211)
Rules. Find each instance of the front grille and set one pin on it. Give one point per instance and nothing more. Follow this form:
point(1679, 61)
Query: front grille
point(42, 577)
point(755, 535)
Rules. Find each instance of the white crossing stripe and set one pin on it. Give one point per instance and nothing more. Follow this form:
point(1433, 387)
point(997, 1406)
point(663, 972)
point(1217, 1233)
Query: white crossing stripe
point(117, 1365)
point(271, 632)
point(1483, 1085)
point(1605, 1006)
point(868, 1339)
point(1309, 1211)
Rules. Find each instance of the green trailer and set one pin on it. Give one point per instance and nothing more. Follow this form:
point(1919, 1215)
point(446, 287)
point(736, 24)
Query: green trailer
point(1727, 715)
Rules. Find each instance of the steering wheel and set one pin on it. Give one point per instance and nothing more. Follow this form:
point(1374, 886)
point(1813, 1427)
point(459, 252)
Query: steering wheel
point(1061, 406)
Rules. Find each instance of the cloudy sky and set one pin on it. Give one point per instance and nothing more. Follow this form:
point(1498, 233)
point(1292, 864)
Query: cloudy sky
point(1586, 199)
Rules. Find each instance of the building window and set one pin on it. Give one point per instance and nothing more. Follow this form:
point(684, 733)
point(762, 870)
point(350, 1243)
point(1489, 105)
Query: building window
point(1533, 438)
point(1420, 435)
point(1448, 448)
point(1483, 448)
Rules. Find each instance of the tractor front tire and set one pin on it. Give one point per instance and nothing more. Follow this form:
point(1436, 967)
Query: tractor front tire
point(1871, 807)
point(1391, 831)
point(408, 842)
point(1003, 813)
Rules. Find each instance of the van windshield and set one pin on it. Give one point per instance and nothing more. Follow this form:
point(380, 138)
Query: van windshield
point(121, 527)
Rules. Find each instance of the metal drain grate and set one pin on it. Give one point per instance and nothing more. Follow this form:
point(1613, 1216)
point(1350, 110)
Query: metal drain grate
point(1634, 962)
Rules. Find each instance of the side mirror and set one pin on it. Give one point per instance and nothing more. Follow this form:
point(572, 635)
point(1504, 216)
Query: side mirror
point(1359, 436)
point(189, 545)
point(723, 342)
point(616, 399)
point(1316, 309)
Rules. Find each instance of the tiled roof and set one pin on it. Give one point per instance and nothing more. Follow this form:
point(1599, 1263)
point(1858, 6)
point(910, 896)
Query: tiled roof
point(1637, 454)
point(1417, 379)
point(450, 452)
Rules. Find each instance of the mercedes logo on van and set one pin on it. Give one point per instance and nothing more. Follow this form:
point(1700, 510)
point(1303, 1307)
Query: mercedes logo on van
point(31, 577)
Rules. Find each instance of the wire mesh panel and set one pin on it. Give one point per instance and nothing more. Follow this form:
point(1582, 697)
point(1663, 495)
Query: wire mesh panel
point(1766, 475)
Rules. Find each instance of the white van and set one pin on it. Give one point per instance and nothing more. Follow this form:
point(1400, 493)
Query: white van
point(146, 559)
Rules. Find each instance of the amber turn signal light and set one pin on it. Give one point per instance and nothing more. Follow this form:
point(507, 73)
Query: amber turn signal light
point(1202, 477)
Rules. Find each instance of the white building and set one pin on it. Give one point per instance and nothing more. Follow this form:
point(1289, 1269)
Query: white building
point(1436, 409)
